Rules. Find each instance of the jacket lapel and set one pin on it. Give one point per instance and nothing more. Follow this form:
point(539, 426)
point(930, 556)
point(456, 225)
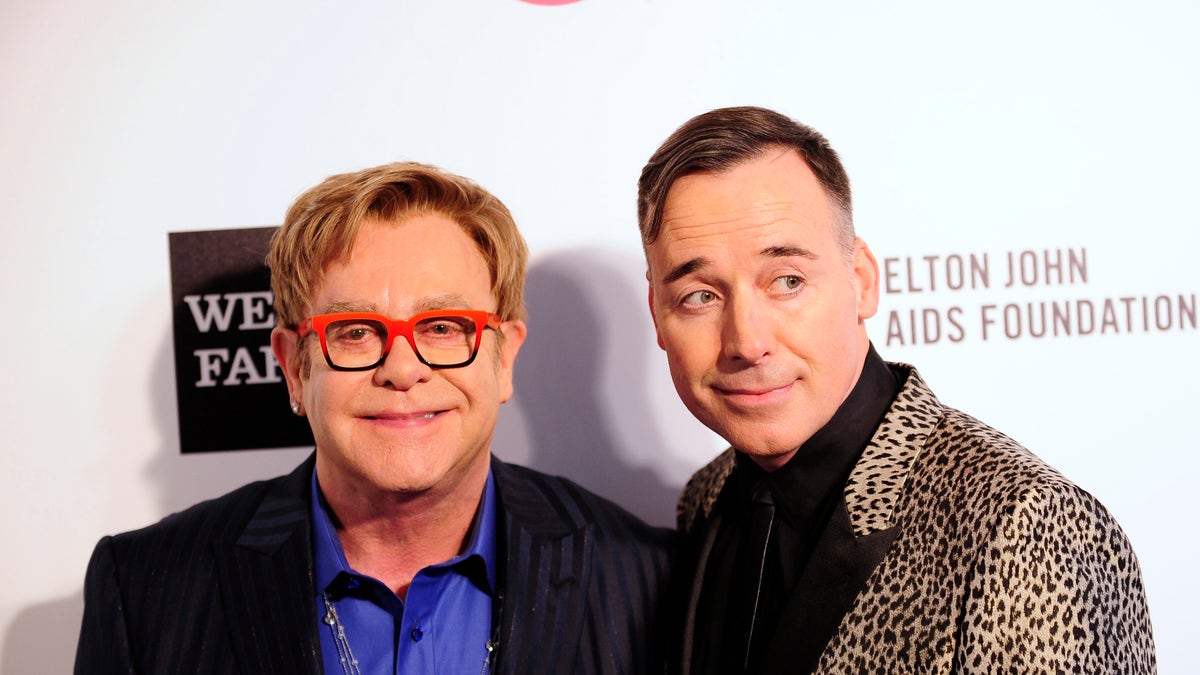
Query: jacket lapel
point(266, 581)
point(825, 592)
point(859, 533)
point(546, 572)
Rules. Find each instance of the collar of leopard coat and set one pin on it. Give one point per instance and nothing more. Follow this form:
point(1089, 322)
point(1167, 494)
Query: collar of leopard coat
point(878, 478)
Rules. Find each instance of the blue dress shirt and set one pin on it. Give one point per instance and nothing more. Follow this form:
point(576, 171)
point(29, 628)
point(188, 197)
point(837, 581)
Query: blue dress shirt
point(445, 623)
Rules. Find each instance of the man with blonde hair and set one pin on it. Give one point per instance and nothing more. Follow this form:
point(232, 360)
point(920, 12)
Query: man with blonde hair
point(401, 544)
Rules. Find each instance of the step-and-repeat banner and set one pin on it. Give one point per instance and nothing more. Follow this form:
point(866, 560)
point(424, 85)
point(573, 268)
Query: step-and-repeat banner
point(1024, 173)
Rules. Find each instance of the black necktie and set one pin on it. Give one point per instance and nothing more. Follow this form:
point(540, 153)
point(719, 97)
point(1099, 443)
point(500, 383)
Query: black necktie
point(757, 566)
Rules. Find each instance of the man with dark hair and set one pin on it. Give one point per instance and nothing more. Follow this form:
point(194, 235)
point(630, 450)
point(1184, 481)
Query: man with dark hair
point(856, 524)
point(401, 545)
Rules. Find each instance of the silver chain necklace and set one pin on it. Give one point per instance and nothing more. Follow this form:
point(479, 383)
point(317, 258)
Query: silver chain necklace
point(346, 655)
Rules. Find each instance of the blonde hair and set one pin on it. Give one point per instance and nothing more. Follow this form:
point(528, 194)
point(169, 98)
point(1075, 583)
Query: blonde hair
point(321, 226)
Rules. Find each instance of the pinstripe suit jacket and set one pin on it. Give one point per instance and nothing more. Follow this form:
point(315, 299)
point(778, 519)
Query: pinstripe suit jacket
point(226, 586)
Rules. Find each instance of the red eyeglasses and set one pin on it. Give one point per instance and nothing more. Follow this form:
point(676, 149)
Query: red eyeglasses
point(362, 340)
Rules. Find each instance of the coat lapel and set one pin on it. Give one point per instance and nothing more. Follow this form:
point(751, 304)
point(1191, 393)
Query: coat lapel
point(545, 575)
point(825, 592)
point(266, 582)
point(859, 534)
point(861, 530)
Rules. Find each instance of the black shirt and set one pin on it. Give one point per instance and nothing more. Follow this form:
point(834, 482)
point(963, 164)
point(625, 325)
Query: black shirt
point(785, 512)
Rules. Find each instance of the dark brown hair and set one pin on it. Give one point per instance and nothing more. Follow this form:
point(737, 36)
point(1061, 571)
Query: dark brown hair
point(721, 139)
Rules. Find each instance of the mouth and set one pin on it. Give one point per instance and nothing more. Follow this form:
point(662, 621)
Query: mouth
point(751, 396)
point(404, 418)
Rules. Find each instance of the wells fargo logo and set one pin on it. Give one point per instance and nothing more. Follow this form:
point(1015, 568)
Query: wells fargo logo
point(230, 391)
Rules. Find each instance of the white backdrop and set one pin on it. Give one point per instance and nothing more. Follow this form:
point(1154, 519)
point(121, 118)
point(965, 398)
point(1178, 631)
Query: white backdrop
point(967, 129)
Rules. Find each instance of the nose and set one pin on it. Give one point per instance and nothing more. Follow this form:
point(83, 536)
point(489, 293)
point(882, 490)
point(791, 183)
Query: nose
point(746, 334)
point(401, 369)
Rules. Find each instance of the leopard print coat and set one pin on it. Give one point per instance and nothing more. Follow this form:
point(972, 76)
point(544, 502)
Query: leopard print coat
point(999, 564)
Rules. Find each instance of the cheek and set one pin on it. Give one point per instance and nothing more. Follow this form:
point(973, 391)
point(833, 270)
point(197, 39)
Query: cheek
point(688, 361)
point(693, 348)
point(477, 384)
point(322, 393)
point(687, 386)
point(312, 402)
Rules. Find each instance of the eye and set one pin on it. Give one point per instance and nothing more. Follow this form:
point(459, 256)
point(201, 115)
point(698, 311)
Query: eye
point(356, 332)
point(696, 298)
point(786, 283)
point(356, 335)
point(449, 327)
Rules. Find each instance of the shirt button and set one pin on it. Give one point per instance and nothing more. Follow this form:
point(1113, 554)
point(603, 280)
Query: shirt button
point(416, 633)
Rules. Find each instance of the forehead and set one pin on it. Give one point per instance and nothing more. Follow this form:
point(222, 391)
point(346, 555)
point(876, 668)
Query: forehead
point(401, 266)
point(773, 199)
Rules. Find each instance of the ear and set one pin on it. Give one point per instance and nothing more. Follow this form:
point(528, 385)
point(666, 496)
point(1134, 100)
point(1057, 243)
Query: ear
point(653, 317)
point(514, 337)
point(285, 344)
point(866, 280)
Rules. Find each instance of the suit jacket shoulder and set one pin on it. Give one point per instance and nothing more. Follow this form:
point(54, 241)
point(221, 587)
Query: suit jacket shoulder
point(553, 503)
point(192, 592)
point(701, 491)
point(583, 579)
point(1001, 563)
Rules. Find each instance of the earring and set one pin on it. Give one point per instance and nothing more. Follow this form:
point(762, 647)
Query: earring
point(295, 407)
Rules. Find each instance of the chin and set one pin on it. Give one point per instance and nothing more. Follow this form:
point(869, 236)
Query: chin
point(772, 460)
point(404, 476)
point(766, 453)
point(762, 449)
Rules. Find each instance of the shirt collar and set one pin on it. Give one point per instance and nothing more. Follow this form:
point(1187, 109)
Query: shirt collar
point(329, 559)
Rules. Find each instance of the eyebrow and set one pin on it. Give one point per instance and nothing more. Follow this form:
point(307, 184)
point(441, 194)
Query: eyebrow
point(788, 252)
point(341, 306)
point(447, 301)
point(680, 271)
